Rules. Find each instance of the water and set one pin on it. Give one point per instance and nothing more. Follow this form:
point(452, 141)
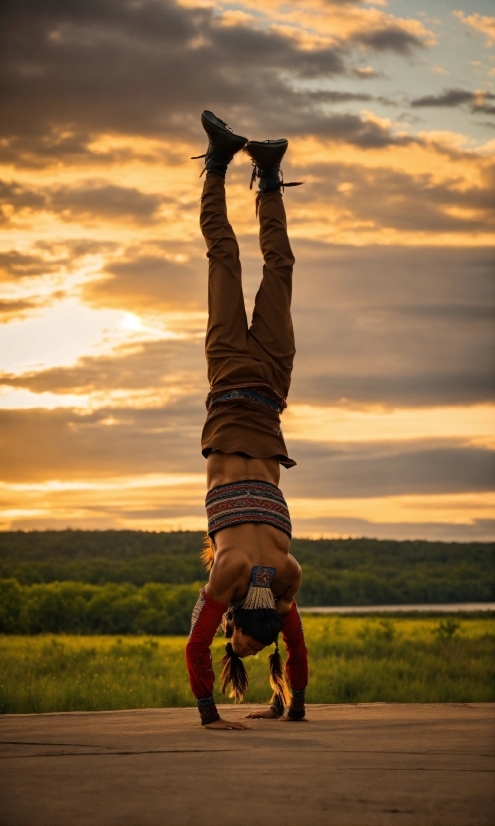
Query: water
point(451, 608)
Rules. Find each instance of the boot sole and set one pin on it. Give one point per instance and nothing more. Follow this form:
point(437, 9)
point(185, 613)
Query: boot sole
point(220, 137)
point(267, 154)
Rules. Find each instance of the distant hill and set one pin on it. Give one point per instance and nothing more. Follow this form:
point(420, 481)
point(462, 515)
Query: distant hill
point(336, 571)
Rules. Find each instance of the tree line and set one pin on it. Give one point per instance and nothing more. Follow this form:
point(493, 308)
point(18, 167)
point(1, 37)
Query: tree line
point(80, 608)
point(139, 582)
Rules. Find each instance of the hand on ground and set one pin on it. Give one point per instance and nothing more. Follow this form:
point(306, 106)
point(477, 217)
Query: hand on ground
point(266, 714)
point(226, 724)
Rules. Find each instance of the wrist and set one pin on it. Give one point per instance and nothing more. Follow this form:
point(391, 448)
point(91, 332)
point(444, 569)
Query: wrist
point(208, 710)
point(297, 709)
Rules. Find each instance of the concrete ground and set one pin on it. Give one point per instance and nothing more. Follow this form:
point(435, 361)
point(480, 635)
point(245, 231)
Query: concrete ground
point(352, 765)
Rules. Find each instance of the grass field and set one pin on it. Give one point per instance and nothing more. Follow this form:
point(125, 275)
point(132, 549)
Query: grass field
point(352, 659)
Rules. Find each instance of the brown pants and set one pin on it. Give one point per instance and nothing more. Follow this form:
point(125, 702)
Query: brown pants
point(261, 355)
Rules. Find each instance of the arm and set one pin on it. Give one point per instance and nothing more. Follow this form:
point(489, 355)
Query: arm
point(297, 659)
point(297, 656)
point(206, 618)
point(284, 602)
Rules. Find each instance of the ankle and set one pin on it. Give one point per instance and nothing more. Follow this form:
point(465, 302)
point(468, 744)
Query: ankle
point(217, 163)
point(270, 180)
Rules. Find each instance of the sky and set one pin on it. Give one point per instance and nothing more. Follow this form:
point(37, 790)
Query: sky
point(389, 108)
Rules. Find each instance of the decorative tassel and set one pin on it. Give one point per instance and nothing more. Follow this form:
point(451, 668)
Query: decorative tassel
point(259, 597)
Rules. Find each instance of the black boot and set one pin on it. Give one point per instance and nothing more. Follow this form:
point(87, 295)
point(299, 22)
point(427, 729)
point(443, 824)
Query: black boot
point(267, 157)
point(222, 144)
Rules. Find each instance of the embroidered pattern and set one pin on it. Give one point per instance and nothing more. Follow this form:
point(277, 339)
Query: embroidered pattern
point(207, 710)
point(243, 397)
point(248, 501)
point(197, 609)
point(262, 577)
point(300, 618)
point(298, 694)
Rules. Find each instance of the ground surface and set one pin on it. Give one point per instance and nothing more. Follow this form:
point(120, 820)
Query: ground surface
point(348, 766)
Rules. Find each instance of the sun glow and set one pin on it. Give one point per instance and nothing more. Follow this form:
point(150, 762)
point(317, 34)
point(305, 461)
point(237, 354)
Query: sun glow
point(104, 277)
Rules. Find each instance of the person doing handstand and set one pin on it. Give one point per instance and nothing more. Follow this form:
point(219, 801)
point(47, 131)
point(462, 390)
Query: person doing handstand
point(253, 577)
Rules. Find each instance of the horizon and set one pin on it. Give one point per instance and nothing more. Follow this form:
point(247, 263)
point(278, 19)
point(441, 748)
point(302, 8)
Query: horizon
point(389, 110)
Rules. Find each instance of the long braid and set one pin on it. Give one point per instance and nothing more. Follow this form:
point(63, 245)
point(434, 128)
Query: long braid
point(278, 681)
point(234, 673)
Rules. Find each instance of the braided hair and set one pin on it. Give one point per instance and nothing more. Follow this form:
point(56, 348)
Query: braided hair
point(264, 626)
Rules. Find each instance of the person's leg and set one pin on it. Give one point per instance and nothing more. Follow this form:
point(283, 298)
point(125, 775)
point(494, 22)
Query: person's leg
point(226, 336)
point(271, 327)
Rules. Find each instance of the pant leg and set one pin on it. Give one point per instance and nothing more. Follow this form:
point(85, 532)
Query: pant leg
point(271, 328)
point(226, 334)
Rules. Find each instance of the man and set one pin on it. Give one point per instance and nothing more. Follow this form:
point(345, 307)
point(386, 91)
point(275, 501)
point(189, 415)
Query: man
point(253, 577)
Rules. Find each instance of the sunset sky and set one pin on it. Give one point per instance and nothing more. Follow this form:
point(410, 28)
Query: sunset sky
point(389, 108)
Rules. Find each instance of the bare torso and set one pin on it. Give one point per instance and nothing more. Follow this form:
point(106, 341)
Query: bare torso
point(239, 549)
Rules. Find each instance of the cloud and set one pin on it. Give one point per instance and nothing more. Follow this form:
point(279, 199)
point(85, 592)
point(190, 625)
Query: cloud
point(148, 68)
point(400, 326)
point(14, 196)
point(392, 39)
point(14, 264)
point(476, 101)
point(14, 310)
point(100, 114)
point(147, 281)
point(152, 366)
point(374, 469)
point(352, 129)
point(482, 530)
point(407, 201)
point(86, 200)
point(397, 326)
point(64, 444)
point(480, 23)
point(104, 200)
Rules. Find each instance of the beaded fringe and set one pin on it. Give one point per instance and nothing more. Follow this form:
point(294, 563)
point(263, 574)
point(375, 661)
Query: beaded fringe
point(258, 597)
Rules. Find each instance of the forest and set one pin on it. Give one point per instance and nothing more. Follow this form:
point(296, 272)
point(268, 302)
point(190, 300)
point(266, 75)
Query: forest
point(117, 582)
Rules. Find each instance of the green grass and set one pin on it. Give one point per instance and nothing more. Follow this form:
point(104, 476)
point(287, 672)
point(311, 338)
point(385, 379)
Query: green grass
point(352, 659)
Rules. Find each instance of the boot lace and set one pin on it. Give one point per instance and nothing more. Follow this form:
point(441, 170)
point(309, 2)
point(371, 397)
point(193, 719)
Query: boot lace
point(257, 173)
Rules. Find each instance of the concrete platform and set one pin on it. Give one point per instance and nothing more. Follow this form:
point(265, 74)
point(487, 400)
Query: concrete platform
point(352, 765)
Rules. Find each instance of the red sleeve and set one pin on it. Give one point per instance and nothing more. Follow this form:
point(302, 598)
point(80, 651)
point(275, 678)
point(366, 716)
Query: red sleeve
point(206, 618)
point(297, 655)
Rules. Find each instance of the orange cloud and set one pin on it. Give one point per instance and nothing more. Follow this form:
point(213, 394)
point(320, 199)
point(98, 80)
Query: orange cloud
point(480, 23)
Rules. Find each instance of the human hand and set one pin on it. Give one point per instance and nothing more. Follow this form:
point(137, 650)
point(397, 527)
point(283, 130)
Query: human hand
point(266, 714)
point(226, 724)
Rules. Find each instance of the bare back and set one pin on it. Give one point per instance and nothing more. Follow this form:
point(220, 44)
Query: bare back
point(238, 549)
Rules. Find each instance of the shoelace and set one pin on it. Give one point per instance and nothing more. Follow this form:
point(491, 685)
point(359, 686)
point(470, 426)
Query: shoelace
point(256, 173)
